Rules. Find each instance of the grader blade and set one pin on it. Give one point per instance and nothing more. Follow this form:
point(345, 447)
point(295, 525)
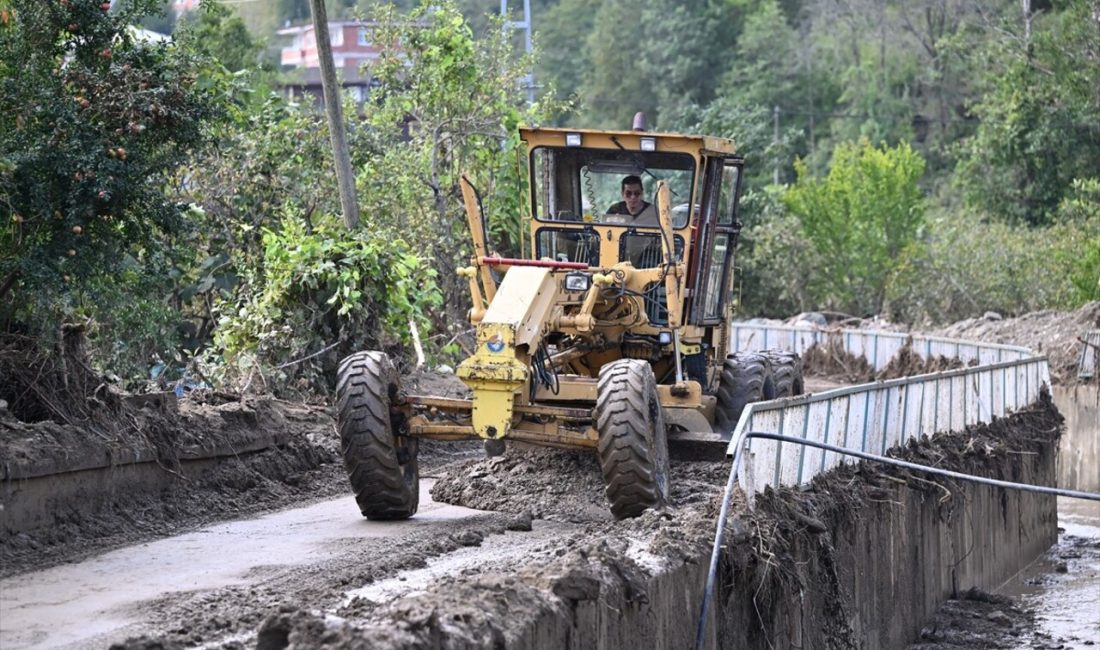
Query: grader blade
point(697, 445)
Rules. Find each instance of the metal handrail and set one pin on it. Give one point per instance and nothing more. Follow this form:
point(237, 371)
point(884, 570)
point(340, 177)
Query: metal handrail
point(712, 572)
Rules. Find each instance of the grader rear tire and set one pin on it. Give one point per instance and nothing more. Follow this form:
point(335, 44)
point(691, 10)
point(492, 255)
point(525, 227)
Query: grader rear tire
point(786, 370)
point(382, 467)
point(746, 378)
point(633, 442)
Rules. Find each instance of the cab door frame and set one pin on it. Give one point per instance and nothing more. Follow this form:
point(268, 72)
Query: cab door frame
point(715, 239)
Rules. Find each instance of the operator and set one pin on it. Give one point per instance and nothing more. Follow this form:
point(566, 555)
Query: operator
point(638, 211)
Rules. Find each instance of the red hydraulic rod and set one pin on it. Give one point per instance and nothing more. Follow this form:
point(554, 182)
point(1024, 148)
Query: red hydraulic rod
point(511, 261)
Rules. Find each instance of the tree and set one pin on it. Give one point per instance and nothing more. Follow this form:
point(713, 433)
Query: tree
point(447, 104)
point(92, 122)
point(859, 219)
point(1039, 113)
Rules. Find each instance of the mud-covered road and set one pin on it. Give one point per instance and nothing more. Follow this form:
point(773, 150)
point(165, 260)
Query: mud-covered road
point(318, 574)
point(292, 556)
point(229, 583)
point(269, 550)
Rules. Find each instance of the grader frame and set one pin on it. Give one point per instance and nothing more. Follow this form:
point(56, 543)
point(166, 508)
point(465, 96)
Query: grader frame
point(612, 337)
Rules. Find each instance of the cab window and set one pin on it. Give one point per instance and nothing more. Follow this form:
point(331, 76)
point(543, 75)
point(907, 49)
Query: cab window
point(717, 240)
point(578, 184)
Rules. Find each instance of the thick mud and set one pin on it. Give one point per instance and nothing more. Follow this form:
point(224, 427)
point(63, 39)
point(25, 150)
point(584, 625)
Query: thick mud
point(517, 593)
point(547, 555)
point(831, 360)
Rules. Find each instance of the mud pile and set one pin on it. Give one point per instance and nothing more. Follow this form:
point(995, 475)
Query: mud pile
point(831, 360)
point(1053, 333)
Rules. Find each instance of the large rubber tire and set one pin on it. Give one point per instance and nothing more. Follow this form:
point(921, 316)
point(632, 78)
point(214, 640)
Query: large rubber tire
point(633, 442)
point(382, 466)
point(786, 370)
point(746, 378)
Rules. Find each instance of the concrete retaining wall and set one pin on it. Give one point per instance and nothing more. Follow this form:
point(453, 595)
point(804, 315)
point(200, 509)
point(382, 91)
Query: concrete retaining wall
point(1079, 455)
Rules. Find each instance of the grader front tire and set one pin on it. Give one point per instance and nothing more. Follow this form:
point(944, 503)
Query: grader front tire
point(382, 467)
point(633, 442)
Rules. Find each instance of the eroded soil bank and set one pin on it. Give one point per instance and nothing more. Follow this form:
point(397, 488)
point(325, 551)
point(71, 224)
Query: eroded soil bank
point(68, 492)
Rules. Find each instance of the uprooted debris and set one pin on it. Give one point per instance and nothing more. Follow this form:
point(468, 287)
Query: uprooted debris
point(831, 360)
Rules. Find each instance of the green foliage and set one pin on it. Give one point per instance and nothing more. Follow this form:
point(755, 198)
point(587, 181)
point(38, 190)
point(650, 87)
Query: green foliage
point(965, 267)
point(448, 104)
point(1078, 221)
point(445, 105)
point(319, 289)
point(216, 32)
point(1039, 113)
point(92, 122)
point(859, 219)
point(649, 56)
point(776, 261)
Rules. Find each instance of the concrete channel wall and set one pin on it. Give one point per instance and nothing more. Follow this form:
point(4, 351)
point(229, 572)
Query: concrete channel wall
point(1079, 457)
point(899, 568)
point(884, 558)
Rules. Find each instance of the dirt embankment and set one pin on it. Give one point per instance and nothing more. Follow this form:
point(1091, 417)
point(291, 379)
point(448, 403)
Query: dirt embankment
point(267, 453)
point(1053, 333)
point(295, 461)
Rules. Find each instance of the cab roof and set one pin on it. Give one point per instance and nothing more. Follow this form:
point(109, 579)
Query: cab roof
point(631, 140)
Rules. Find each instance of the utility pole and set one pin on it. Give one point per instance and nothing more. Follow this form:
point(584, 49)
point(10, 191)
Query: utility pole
point(525, 25)
point(345, 181)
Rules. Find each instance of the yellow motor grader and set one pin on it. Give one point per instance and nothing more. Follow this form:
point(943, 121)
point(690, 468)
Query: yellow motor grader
point(612, 336)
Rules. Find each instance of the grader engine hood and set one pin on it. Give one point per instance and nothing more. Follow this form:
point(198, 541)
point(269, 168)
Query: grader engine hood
point(506, 336)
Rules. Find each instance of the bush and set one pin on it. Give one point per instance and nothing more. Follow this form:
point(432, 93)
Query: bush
point(966, 265)
point(318, 297)
point(776, 262)
point(92, 123)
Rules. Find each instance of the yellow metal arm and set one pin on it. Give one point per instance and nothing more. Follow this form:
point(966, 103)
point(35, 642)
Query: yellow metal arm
point(475, 219)
point(674, 276)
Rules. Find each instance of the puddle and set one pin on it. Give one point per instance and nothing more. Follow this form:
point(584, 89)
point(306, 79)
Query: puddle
point(1063, 586)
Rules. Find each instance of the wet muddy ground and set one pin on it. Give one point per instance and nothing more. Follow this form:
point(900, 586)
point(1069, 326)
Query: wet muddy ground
point(524, 536)
point(319, 574)
point(1054, 604)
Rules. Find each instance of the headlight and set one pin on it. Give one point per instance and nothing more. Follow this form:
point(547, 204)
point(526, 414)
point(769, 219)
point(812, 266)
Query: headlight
point(577, 281)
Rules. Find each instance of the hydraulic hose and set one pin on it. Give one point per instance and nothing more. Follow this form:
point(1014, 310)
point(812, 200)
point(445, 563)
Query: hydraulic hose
point(712, 573)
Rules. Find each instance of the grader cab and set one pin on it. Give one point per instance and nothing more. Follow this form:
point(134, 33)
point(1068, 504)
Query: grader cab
point(613, 335)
